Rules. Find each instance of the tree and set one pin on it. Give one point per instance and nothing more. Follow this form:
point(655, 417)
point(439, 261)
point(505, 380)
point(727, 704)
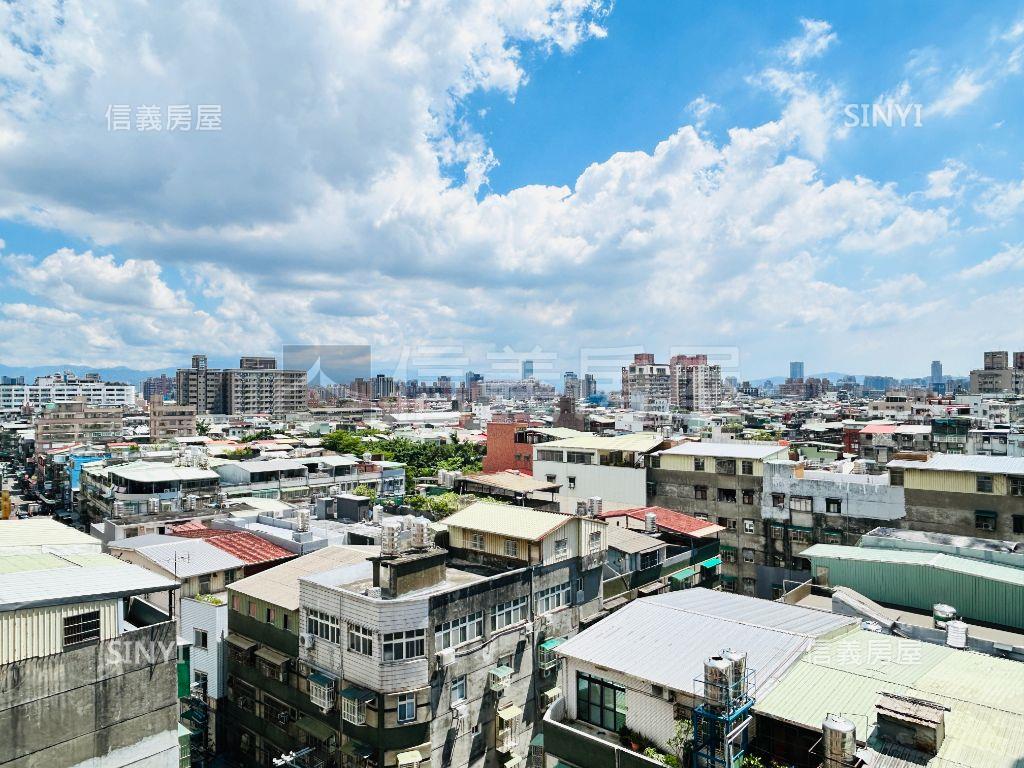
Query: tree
point(202, 427)
point(367, 491)
point(343, 441)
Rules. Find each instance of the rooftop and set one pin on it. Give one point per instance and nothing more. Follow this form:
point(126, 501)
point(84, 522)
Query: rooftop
point(511, 480)
point(185, 557)
point(38, 532)
point(641, 442)
point(632, 542)
point(727, 450)
point(79, 579)
point(936, 560)
point(669, 520)
point(984, 727)
point(689, 626)
point(280, 585)
point(158, 471)
point(507, 520)
point(950, 462)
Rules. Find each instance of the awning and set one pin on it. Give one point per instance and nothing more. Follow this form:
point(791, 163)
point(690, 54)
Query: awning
point(412, 757)
point(726, 548)
point(985, 513)
point(712, 562)
point(550, 645)
point(552, 694)
point(322, 680)
point(314, 727)
point(615, 602)
point(728, 578)
point(502, 671)
point(684, 574)
point(357, 749)
point(513, 761)
point(271, 656)
point(241, 642)
point(801, 528)
point(511, 712)
point(650, 589)
point(356, 693)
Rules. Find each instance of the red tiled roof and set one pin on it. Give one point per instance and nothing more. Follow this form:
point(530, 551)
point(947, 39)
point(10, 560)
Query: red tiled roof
point(669, 520)
point(878, 429)
point(194, 529)
point(250, 548)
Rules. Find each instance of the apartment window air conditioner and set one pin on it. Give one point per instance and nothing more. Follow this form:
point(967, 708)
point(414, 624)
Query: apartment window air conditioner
point(446, 657)
point(307, 640)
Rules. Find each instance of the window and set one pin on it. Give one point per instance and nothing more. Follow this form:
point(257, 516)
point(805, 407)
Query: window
point(551, 478)
point(595, 541)
point(510, 612)
point(252, 609)
point(236, 603)
point(1018, 523)
point(698, 465)
point(748, 526)
point(360, 640)
point(323, 625)
point(549, 455)
point(748, 555)
point(398, 646)
point(984, 483)
point(270, 616)
point(700, 492)
point(895, 477)
point(476, 541)
point(985, 520)
point(575, 457)
point(748, 586)
point(572, 482)
point(511, 548)
point(553, 597)
point(406, 707)
point(204, 584)
point(728, 555)
point(747, 467)
point(1016, 486)
point(701, 516)
point(200, 639)
point(285, 621)
point(833, 506)
point(727, 495)
point(748, 497)
point(801, 535)
point(779, 500)
point(600, 702)
point(459, 631)
point(561, 547)
point(82, 629)
point(725, 466)
point(458, 689)
point(200, 681)
point(801, 503)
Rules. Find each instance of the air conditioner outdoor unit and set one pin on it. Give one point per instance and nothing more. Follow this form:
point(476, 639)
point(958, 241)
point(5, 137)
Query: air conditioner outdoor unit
point(307, 640)
point(446, 657)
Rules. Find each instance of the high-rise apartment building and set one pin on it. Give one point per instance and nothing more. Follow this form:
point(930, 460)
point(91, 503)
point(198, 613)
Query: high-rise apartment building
point(571, 385)
point(695, 385)
point(161, 386)
point(589, 386)
point(796, 370)
point(527, 369)
point(997, 376)
point(256, 386)
point(66, 387)
point(76, 422)
point(645, 383)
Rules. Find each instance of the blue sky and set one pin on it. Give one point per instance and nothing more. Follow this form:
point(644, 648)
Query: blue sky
point(464, 184)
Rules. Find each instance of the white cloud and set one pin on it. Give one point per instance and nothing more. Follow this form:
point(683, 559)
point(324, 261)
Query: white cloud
point(1001, 202)
point(962, 92)
point(943, 182)
point(700, 108)
point(816, 38)
point(1011, 257)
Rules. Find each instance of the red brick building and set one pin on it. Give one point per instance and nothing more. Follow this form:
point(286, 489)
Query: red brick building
point(510, 444)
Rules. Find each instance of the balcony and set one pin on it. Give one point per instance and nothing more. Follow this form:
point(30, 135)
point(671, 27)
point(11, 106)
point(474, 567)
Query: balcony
point(582, 744)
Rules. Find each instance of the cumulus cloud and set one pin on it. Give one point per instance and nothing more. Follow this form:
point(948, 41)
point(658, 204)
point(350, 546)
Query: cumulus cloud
point(1010, 257)
point(816, 38)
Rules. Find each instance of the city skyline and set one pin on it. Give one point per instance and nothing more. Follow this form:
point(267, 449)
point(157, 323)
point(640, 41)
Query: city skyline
point(722, 189)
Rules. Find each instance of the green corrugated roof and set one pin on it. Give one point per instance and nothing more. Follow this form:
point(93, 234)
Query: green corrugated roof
point(683, 574)
point(966, 565)
point(985, 722)
point(46, 562)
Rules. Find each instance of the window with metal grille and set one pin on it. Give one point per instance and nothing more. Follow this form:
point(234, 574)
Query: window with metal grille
point(82, 629)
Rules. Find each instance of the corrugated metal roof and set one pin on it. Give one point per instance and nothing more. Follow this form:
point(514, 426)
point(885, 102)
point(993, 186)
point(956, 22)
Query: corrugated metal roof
point(280, 585)
point(727, 450)
point(512, 480)
point(97, 578)
point(637, 441)
point(41, 531)
point(951, 462)
point(665, 639)
point(157, 471)
point(145, 540)
point(190, 557)
point(507, 520)
point(631, 542)
point(270, 465)
point(984, 727)
point(938, 560)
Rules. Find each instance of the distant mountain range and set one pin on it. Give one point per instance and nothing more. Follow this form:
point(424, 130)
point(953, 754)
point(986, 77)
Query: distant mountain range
point(118, 373)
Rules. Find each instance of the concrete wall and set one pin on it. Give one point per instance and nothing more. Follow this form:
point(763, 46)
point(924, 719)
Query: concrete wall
point(623, 484)
point(114, 703)
point(213, 619)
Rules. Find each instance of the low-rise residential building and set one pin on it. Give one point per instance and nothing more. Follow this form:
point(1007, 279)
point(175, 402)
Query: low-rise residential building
point(76, 422)
point(722, 484)
point(91, 667)
point(139, 488)
point(510, 444)
point(979, 496)
point(612, 468)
